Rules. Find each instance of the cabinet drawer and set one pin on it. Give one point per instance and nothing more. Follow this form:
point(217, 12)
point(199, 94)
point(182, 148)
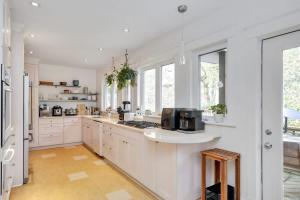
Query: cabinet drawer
point(72, 120)
point(57, 120)
point(45, 121)
point(51, 121)
point(51, 139)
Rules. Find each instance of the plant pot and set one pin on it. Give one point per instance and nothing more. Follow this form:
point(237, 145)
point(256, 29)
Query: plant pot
point(219, 118)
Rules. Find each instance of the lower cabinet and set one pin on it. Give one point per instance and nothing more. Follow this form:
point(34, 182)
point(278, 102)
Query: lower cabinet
point(165, 170)
point(87, 132)
point(50, 133)
point(60, 130)
point(97, 137)
point(72, 133)
point(153, 164)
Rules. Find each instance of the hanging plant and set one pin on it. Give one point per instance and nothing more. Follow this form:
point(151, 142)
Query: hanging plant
point(111, 78)
point(126, 75)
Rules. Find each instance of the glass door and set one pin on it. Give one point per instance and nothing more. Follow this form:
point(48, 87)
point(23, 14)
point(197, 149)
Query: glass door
point(281, 117)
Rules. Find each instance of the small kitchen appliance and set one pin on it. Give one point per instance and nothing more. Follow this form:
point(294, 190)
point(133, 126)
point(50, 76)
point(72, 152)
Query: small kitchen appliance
point(44, 110)
point(170, 118)
point(126, 106)
point(57, 111)
point(70, 112)
point(191, 120)
point(76, 83)
point(129, 116)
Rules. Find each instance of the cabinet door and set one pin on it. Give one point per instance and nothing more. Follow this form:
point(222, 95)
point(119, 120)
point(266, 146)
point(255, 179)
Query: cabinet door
point(134, 158)
point(165, 170)
point(148, 166)
point(89, 136)
point(122, 152)
point(72, 133)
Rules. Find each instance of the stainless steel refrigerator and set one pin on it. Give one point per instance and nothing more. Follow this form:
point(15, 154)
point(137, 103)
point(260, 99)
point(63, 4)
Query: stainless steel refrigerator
point(27, 108)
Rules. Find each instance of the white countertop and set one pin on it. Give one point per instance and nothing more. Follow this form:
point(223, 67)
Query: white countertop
point(166, 136)
point(158, 134)
point(175, 137)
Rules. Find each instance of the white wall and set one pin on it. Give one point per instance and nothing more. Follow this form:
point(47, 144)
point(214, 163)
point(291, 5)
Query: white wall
point(17, 100)
point(55, 73)
point(241, 26)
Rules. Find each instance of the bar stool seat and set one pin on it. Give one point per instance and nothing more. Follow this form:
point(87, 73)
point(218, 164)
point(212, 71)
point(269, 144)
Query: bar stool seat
point(221, 157)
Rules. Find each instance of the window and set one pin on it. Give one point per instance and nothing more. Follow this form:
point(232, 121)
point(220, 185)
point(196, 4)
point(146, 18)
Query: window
point(150, 90)
point(212, 78)
point(158, 88)
point(168, 86)
point(107, 97)
point(110, 96)
point(115, 97)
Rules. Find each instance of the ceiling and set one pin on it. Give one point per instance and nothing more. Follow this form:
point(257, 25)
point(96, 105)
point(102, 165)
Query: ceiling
point(68, 32)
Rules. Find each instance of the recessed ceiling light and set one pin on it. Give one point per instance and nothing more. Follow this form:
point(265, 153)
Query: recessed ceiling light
point(35, 4)
point(32, 35)
point(30, 52)
point(100, 49)
point(126, 30)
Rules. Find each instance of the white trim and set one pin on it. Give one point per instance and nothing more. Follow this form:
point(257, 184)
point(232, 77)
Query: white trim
point(196, 80)
point(158, 86)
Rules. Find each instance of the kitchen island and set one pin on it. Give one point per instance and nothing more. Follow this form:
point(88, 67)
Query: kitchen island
point(167, 163)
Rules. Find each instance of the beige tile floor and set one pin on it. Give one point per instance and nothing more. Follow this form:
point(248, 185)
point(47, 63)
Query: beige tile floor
point(75, 174)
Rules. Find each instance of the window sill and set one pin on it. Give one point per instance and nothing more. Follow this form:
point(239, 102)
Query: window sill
point(223, 124)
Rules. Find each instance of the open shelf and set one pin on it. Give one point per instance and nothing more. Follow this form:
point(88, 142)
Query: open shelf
point(58, 100)
point(66, 86)
point(91, 94)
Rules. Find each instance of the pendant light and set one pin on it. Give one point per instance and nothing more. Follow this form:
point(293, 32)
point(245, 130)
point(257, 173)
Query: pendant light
point(181, 10)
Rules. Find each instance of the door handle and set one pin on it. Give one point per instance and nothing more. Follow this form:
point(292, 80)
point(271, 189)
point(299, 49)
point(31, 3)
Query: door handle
point(268, 146)
point(268, 132)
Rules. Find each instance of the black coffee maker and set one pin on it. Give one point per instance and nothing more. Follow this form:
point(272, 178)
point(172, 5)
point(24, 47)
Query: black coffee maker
point(191, 120)
point(125, 109)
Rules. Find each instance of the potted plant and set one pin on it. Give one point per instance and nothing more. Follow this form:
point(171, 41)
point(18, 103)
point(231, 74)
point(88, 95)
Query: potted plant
point(219, 112)
point(126, 75)
point(111, 78)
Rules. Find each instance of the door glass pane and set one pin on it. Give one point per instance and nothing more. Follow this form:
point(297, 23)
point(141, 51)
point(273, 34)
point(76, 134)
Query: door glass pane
point(168, 86)
point(149, 89)
point(291, 112)
point(212, 77)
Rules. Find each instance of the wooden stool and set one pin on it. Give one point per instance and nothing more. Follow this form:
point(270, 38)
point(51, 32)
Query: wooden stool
point(221, 157)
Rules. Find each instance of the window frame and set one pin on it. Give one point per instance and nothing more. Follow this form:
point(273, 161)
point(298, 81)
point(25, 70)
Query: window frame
point(112, 96)
point(197, 75)
point(158, 84)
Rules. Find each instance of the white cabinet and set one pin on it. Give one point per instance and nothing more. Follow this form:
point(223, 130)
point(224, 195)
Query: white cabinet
point(50, 131)
point(109, 144)
point(165, 170)
point(87, 132)
point(148, 164)
point(126, 150)
point(72, 130)
point(97, 138)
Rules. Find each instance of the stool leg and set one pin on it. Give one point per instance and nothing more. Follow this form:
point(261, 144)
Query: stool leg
point(203, 178)
point(224, 189)
point(237, 178)
point(217, 171)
